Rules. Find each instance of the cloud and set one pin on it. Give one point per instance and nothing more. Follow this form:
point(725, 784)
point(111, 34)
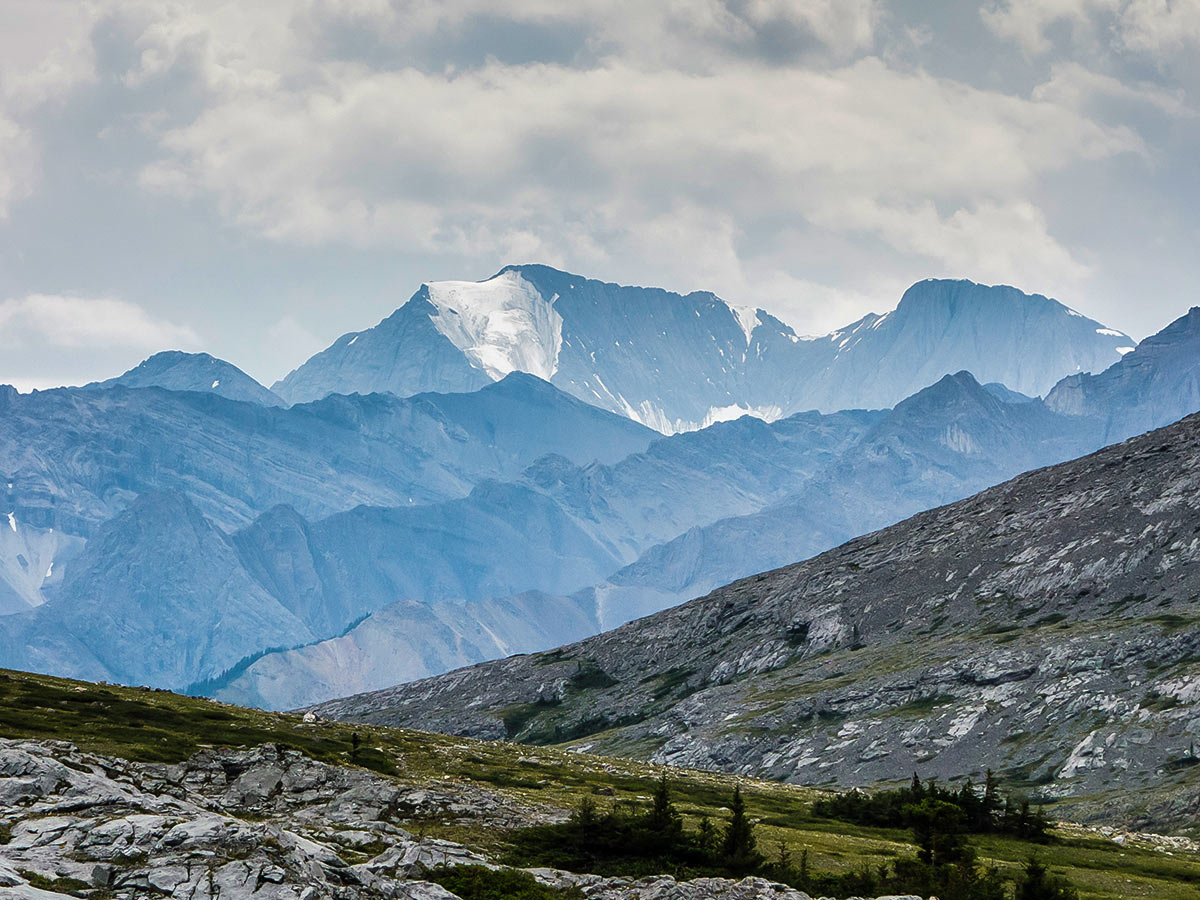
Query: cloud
point(1027, 21)
point(567, 164)
point(1160, 26)
point(788, 152)
point(291, 340)
point(1077, 87)
point(1149, 27)
point(71, 323)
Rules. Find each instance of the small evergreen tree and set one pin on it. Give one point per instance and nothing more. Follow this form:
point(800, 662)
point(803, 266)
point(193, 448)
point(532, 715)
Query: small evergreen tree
point(992, 804)
point(1036, 883)
point(663, 818)
point(937, 831)
point(740, 846)
point(585, 814)
point(706, 838)
point(916, 789)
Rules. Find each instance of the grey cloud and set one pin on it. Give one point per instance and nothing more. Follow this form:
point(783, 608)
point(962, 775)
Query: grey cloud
point(311, 163)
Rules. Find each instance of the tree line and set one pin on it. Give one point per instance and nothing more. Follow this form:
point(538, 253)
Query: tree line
point(629, 840)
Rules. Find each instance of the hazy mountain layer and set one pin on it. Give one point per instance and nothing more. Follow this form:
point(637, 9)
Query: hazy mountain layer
point(850, 473)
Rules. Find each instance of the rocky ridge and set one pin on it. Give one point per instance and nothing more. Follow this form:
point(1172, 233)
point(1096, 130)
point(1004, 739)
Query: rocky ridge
point(260, 824)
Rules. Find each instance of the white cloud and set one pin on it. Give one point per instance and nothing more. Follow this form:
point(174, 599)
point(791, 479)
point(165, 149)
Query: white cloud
point(558, 163)
point(1142, 26)
point(1027, 21)
point(69, 323)
point(1077, 87)
point(1161, 26)
point(694, 143)
point(44, 49)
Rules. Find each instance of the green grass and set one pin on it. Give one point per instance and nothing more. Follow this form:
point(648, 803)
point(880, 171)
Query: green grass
point(157, 726)
point(479, 883)
point(58, 885)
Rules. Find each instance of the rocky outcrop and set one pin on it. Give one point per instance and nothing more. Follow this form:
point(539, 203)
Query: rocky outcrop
point(261, 824)
point(264, 823)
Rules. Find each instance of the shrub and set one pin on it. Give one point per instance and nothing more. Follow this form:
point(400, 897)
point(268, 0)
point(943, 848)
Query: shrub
point(481, 883)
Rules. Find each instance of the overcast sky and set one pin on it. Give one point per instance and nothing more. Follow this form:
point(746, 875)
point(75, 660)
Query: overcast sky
point(255, 178)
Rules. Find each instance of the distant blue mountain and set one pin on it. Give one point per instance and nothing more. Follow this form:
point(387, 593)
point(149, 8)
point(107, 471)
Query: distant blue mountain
point(157, 596)
point(179, 371)
point(678, 362)
point(1156, 384)
point(71, 459)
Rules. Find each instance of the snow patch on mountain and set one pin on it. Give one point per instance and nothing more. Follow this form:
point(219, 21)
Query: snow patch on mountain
point(503, 324)
point(747, 318)
point(736, 411)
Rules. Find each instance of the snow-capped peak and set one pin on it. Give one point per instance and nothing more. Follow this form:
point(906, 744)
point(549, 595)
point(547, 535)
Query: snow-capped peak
point(503, 324)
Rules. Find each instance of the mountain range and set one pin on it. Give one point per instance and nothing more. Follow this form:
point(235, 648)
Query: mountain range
point(1045, 627)
point(947, 442)
point(679, 362)
point(182, 526)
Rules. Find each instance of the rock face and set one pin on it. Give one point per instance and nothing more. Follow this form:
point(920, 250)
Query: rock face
point(158, 596)
point(1159, 382)
point(1045, 627)
point(676, 362)
point(263, 824)
point(179, 371)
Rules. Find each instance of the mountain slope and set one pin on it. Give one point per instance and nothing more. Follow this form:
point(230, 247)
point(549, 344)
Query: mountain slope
point(809, 483)
point(1026, 342)
point(175, 370)
point(158, 596)
point(679, 362)
point(74, 457)
point(404, 641)
point(1046, 627)
point(945, 443)
point(1157, 383)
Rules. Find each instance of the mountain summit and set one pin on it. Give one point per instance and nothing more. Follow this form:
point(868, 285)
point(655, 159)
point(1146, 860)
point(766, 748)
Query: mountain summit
point(175, 370)
point(678, 362)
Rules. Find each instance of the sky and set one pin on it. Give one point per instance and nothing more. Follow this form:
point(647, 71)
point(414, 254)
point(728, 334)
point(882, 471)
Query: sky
point(255, 179)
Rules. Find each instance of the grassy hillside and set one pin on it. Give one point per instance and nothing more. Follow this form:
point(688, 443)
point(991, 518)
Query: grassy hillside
point(158, 726)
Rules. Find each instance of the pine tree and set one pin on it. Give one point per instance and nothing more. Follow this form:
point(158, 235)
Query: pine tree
point(585, 814)
point(663, 819)
point(992, 804)
point(1036, 883)
point(739, 848)
point(706, 837)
